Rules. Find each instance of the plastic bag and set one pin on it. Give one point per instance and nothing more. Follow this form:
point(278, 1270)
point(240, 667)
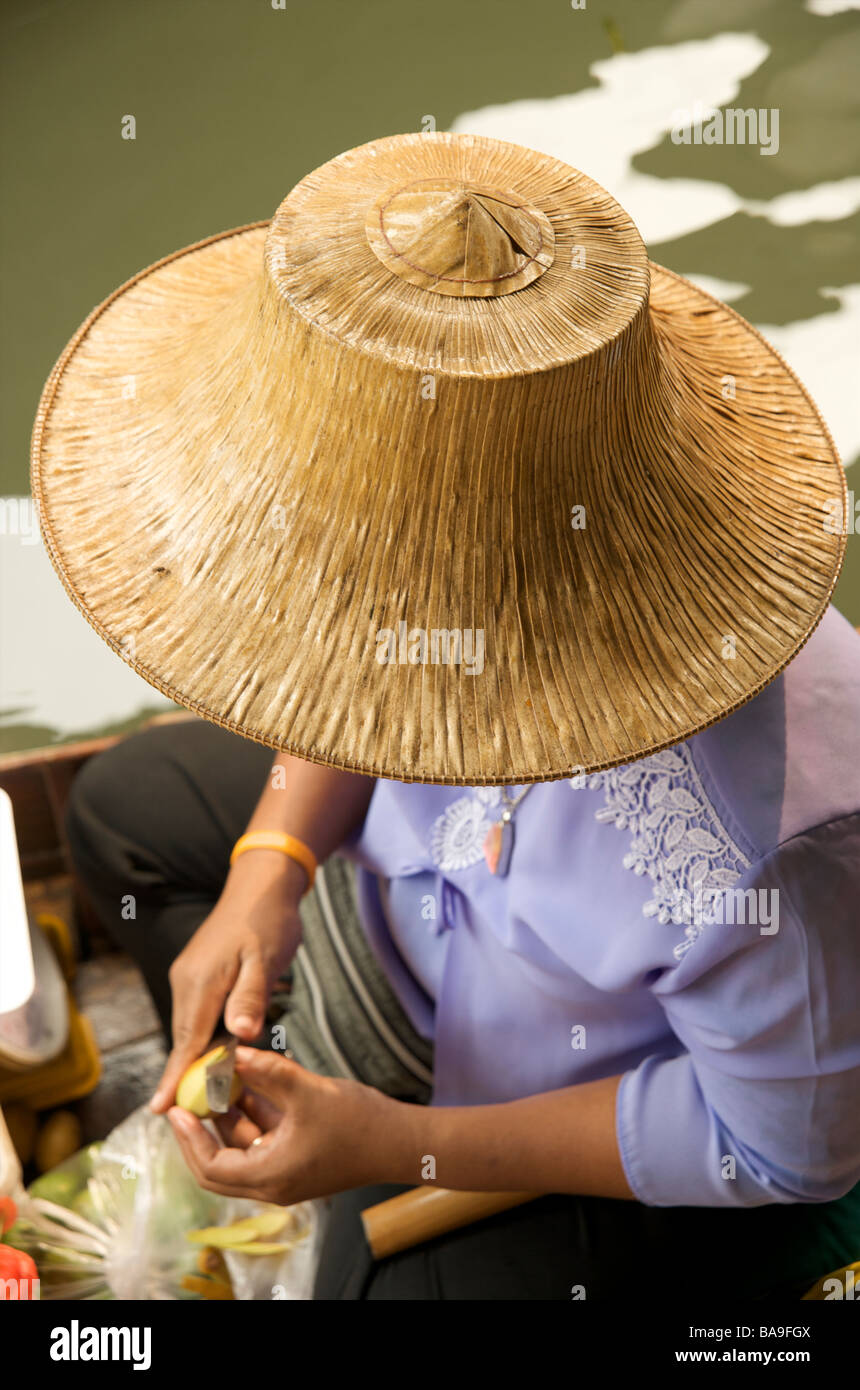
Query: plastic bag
point(281, 1277)
point(112, 1222)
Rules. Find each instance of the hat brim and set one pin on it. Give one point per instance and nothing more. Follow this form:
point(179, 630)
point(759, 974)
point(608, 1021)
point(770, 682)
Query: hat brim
point(252, 592)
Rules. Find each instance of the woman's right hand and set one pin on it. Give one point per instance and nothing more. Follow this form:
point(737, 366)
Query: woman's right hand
point(233, 960)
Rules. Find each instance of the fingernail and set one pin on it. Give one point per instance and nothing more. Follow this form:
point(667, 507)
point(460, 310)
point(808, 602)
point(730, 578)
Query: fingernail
point(180, 1118)
point(157, 1100)
point(243, 1024)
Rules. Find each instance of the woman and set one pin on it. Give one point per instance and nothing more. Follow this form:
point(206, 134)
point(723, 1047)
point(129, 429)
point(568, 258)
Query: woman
point(461, 501)
point(736, 1121)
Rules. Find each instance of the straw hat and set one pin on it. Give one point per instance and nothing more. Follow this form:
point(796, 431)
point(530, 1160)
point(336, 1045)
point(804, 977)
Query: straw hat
point(436, 477)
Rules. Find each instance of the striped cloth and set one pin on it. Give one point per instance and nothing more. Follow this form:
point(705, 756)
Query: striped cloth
point(340, 1016)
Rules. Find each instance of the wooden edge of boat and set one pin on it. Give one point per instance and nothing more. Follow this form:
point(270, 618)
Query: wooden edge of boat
point(38, 782)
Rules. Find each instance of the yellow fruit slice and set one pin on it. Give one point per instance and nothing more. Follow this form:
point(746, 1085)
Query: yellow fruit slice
point(191, 1091)
point(267, 1223)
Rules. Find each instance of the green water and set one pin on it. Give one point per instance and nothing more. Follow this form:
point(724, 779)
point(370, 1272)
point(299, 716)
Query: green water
point(235, 100)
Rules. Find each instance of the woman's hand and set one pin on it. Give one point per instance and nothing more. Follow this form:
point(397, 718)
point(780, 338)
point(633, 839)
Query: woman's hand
point(233, 960)
point(254, 931)
point(318, 1135)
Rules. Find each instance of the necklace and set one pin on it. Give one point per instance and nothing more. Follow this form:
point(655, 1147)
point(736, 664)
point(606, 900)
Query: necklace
point(499, 841)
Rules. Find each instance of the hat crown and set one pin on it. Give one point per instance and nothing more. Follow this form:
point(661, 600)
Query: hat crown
point(408, 251)
point(454, 237)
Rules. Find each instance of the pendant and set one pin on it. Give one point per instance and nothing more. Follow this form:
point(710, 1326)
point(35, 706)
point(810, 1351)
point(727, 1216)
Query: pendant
point(499, 844)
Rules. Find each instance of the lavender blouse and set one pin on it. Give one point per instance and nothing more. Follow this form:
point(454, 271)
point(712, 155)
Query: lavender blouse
point(691, 921)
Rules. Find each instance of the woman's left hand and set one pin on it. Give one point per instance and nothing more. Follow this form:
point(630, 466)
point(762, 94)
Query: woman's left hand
point(318, 1135)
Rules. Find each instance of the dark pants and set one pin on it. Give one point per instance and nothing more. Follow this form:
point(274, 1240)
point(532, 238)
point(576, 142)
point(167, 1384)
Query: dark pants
point(156, 817)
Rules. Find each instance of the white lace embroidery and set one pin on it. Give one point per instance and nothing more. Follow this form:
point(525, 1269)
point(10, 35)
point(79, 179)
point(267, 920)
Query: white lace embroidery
point(457, 836)
point(677, 837)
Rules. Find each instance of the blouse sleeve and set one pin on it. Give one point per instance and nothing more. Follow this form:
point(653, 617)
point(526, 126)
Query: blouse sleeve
point(764, 1103)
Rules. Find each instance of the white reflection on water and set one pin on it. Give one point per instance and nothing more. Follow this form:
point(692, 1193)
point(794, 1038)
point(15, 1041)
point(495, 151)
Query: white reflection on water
point(57, 672)
point(602, 129)
point(823, 352)
point(826, 202)
point(825, 7)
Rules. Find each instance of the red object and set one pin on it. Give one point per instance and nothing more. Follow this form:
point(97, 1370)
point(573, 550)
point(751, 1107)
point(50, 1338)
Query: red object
point(19, 1277)
point(8, 1213)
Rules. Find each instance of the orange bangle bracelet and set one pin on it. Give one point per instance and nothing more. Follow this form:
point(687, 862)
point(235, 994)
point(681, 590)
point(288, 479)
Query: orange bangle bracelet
point(287, 844)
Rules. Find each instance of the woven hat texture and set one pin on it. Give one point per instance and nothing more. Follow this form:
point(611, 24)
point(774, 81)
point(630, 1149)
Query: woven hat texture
point(436, 477)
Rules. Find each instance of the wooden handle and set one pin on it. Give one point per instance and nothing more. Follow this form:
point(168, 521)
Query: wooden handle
point(424, 1212)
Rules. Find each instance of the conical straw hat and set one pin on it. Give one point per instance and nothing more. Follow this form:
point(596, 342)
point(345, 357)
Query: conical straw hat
point(435, 477)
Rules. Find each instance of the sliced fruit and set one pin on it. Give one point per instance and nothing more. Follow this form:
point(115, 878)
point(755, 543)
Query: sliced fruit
point(219, 1236)
point(267, 1223)
point(259, 1247)
point(191, 1091)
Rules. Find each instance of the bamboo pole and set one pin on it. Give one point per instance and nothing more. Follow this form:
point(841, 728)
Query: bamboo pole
point(426, 1212)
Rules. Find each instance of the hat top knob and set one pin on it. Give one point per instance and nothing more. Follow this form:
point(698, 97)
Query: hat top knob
point(454, 237)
